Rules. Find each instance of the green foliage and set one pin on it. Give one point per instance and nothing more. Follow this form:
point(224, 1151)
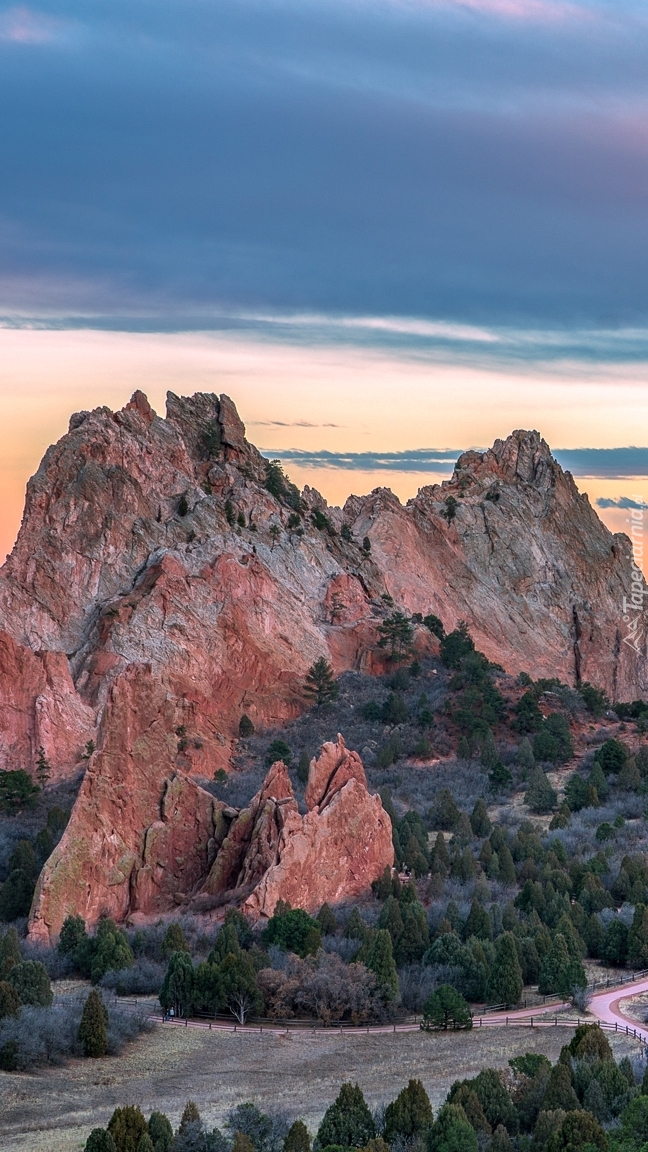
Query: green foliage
point(590, 1042)
point(294, 931)
point(530, 1064)
point(355, 927)
point(451, 1132)
point(230, 513)
point(183, 506)
point(540, 796)
point(505, 979)
point(174, 940)
point(408, 1116)
point(594, 699)
point(9, 1000)
point(246, 727)
point(446, 1008)
point(297, 1139)
point(345, 533)
point(326, 920)
point(560, 972)
point(559, 1092)
point(638, 937)
point(479, 819)
point(612, 755)
point(397, 636)
point(127, 1126)
point(161, 1132)
point(32, 983)
point(17, 791)
point(495, 1100)
point(177, 989)
point(394, 710)
point(93, 1033)
point(100, 1140)
point(16, 895)
point(43, 767)
point(303, 767)
point(366, 545)
point(347, 1122)
point(320, 683)
point(444, 813)
point(108, 949)
point(9, 951)
point(434, 625)
point(579, 1130)
point(614, 946)
point(553, 741)
point(528, 717)
point(391, 751)
point(456, 645)
point(380, 961)
point(279, 486)
point(278, 750)
point(449, 510)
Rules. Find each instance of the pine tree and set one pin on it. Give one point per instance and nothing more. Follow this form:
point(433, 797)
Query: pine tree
point(178, 984)
point(479, 819)
point(93, 1027)
point(348, 1121)
point(190, 1115)
point(9, 1000)
point(161, 1132)
point(451, 1132)
point(9, 951)
point(73, 932)
point(506, 866)
point(396, 634)
point(560, 1093)
point(32, 983)
point(320, 683)
point(43, 767)
point(477, 923)
point(246, 727)
point(303, 767)
point(408, 1116)
point(99, 1140)
point(505, 980)
point(380, 961)
point(554, 966)
point(174, 940)
point(326, 921)
point(126, 1126)
point(540, 796)
point(145, 1143)
point(638, 937)
point(297, 1139)
point(242, 1143)
point(524, 756)
point(446, 1008)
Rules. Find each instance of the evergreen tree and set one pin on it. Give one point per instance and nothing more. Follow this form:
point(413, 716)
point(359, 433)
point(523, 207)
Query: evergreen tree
point(174, 940)
point(638, 937)
point(505, 980)
point(190, 1115)
point(100, 1140)
point(380, 961)
point(451, 1132)
point(578, 1130)
point(355, 927)
point(16, 895)
point(560, 1093)
point(32, 983)
point(93, 1033)
point(320, 683)
point(347, 1122)
point(242, 1143)
point(303, 767)
point(294, 931)
point(495, 1100)
point(391, 919)
point(477, 923)
point(297, 1139)
point(127, 1126)
point(246, 727)
point(161, 1132)
point(145, 1143)
point(73, 932)
point(540, 796)
point(9, 951)
point(408, 1116)
point(479, 819)
point(9, 1000)
point(240, 989)
point(446, 1008)
point(614, 947)
point(178, 984)
point(506, 866)
point(43, 768)
point(524, 757)
point(397, 635)
point(326, 920)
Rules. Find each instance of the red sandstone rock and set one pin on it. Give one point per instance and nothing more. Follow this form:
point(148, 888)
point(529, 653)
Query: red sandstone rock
point(126, 558)
point(330, 771)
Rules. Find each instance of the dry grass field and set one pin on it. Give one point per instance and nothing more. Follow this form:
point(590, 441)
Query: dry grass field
point(55, 1109)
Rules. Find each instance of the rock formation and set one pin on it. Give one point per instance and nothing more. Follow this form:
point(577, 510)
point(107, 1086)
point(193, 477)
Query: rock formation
point(146, 839)
point(146, 582)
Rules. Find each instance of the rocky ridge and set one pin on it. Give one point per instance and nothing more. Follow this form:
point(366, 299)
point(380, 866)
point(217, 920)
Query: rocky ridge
point(157, 591)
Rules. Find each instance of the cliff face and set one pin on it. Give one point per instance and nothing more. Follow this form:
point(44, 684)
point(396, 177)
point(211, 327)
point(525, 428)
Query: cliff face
point(134, 606)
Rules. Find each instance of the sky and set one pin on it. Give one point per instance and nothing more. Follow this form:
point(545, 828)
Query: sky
point(381, 226)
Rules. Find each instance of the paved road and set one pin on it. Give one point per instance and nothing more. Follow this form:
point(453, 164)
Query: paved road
point(604, 1006)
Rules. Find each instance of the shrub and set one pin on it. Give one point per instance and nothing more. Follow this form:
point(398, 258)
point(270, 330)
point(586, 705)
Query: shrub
point(17, 791)
point(100, 1140)
point(394, 710)
point(456, 645)
point(127, 1126)
point(434, 625)
point(278, 750)
point(16, 895)
point(612, 755)
point(540, 796)
point(408, 1116)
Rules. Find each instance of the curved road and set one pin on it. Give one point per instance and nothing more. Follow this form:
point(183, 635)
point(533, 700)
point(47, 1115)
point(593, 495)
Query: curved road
point(604, 1007)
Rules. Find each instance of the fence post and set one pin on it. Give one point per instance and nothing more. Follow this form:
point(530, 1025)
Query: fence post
point(556, 1021)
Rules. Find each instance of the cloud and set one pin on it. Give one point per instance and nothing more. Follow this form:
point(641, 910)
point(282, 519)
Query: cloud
point(21, 25)
point(290, 424)
point(621, 502)
point(608, 462)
